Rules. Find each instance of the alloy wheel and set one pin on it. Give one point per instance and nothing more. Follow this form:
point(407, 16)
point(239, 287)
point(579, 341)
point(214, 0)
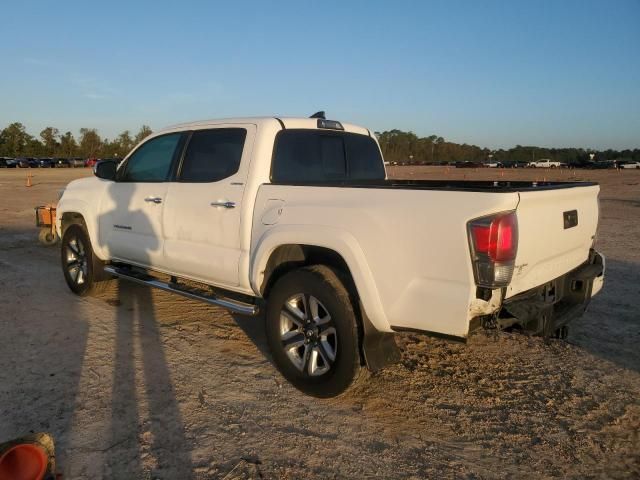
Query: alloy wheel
point(308, 335)
point(76, 259)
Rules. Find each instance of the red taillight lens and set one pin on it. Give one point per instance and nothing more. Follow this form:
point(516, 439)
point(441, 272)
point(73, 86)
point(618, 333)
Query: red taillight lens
point(494, 243)
point(496, 237)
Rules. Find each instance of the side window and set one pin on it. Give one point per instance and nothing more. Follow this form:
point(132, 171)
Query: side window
point(213, 155)
point(151, 162)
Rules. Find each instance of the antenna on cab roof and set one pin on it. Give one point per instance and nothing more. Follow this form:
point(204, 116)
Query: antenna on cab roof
point(319, 114)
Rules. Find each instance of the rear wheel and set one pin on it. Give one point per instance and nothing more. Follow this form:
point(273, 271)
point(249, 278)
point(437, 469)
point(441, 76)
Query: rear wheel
point(312, 331)
point(82, 270)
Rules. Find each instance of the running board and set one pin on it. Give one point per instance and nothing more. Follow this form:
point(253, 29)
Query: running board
point(193, 293)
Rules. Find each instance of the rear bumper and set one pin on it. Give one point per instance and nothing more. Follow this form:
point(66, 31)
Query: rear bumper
point(545, 309)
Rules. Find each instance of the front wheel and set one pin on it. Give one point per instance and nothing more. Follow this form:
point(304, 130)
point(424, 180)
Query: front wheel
point(312, 331)
point(83, 271)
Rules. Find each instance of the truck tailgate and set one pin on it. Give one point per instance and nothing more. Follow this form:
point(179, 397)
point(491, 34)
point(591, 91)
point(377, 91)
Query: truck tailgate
point(556, 229)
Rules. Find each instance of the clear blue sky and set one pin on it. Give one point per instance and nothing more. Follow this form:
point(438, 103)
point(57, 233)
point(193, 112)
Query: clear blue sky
point(496, 74)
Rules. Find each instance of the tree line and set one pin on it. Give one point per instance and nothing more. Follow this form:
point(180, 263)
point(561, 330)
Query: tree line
point(15, 141)
point(407, 147)
point(397, 146)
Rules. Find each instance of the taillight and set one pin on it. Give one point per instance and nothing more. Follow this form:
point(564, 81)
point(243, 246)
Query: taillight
point(494, 243)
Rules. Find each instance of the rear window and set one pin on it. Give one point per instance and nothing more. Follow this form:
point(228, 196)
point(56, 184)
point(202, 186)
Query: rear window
point(318, 156)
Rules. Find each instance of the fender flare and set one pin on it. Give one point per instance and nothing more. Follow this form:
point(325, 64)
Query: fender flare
point(83, 209)
point(341, 242)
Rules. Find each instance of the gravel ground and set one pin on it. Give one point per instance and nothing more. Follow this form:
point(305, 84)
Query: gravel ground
point(140, 384)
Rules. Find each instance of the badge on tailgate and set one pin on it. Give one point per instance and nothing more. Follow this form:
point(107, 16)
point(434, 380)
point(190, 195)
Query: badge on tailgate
point(570, 218)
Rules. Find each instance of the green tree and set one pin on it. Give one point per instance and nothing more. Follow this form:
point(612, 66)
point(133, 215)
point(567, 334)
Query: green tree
point(125, 144)
point(50, 142)
point(14, 140)
point(90, 142)
point(68, 145)
point(144, 132)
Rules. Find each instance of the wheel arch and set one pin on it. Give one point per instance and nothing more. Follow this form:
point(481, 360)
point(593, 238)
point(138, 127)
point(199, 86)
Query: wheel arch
point(76, 213)
point(281, 250)
point(377, 346)
point(71, 218)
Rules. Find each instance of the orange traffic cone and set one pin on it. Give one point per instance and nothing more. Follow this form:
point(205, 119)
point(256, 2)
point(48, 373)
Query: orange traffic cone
point(24, 461)
point(29, 179)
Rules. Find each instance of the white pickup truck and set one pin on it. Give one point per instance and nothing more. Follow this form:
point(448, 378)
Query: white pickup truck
point(296, 218)
point(545, 163)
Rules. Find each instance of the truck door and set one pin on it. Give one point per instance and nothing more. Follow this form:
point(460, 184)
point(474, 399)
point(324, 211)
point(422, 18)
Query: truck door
point(130, 220)
point(202, 216)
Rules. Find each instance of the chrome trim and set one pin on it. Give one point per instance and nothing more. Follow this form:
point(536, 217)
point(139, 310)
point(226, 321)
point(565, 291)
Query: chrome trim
point(229, 304)
point(223, 204)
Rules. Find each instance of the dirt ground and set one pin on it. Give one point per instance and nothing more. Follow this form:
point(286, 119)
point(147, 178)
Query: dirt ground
point(140, 384)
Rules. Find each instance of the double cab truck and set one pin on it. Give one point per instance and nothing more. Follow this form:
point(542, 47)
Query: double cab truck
point(545, 163)
point(295, 221)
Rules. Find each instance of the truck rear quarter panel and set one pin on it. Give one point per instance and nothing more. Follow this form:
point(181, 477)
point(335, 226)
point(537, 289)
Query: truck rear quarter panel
point(406, 249)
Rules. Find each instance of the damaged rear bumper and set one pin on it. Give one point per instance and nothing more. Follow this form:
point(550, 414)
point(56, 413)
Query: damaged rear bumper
point(546, 309)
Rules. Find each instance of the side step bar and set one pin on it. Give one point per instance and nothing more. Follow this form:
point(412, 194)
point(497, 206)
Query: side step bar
point(193, 293)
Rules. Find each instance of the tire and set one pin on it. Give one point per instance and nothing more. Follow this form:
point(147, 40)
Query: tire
point(82, 270)
point(47, 238)
point(323, 355)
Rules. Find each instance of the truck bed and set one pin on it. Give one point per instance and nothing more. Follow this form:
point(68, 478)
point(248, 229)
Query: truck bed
point(406, 241)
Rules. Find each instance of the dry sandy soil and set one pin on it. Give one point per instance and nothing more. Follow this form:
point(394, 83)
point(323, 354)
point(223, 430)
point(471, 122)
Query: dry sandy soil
point(139, 384)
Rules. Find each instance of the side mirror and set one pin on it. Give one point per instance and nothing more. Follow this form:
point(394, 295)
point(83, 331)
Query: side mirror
point(106, 169)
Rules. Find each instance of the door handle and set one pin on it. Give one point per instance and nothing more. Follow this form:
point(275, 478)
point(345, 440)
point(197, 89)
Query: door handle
point(153, 199)
point(223, 204)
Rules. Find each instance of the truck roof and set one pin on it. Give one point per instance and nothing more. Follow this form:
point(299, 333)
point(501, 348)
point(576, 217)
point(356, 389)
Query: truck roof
point(286, 122)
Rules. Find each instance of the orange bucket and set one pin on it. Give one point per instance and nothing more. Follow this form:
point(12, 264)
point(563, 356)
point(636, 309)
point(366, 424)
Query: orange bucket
point(24, 461)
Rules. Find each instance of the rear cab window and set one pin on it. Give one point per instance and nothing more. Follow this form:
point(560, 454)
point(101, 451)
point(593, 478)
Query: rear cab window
point(321, 156)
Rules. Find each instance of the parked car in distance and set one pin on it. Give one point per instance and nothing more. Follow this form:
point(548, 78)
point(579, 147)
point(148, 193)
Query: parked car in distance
point(468, 164)
point(76, 162)
point(22, 162)
point(628, 164)
point(90, 162)
point(46, 163)
point(545, 163)
point(514, 164)
point(114, 159)
point(7, 162)
point(600, 165)
point(61, 162)
point(494, 165)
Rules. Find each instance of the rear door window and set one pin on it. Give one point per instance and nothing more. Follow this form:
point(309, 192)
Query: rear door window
point(317, 156)
point(213, 155)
